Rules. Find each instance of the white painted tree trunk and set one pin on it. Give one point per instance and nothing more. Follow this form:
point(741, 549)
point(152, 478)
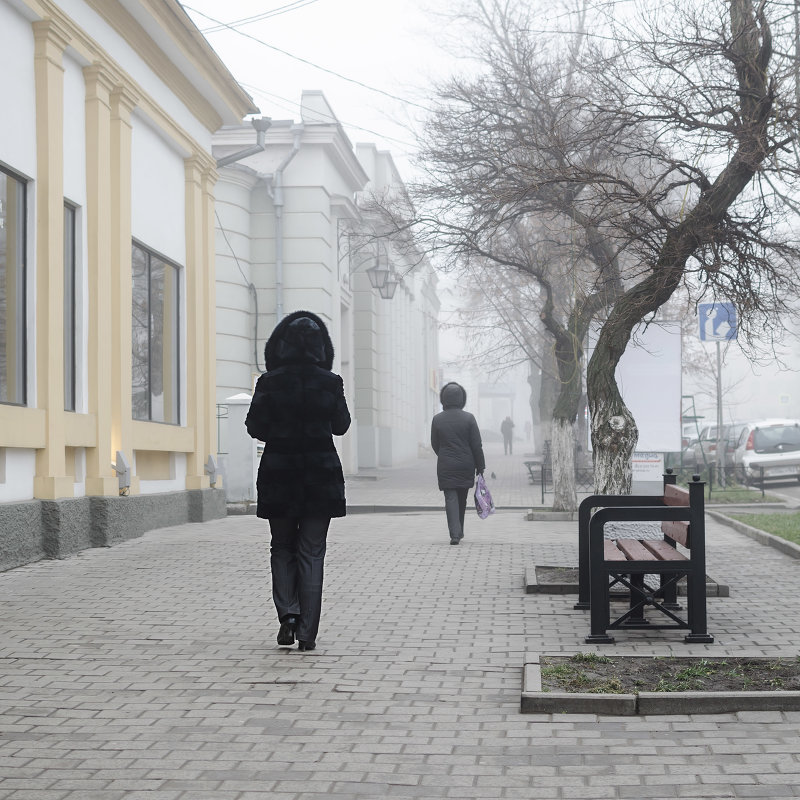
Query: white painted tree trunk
point(562, 448)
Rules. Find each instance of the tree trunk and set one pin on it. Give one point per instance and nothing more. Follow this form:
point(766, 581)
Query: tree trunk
point(548, 392)
point(563, 451)
point(568, 354)
point(614, 438)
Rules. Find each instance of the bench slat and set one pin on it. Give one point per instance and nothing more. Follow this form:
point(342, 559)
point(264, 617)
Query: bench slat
point(663, 551)
point(679, 531)
point(675, 496)
point(634, 550)
point(611, 552)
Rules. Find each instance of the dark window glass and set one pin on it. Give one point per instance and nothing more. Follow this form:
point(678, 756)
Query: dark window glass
point(155, 363)
point(12, 289)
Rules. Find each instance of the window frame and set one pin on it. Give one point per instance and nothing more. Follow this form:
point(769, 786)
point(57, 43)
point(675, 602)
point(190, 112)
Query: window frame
point(175, 333)
point(21, 294)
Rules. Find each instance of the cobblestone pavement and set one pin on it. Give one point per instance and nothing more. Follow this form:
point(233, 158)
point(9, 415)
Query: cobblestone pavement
point(150, 671)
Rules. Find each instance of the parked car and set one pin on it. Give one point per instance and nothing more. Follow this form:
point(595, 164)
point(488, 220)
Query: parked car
point(768, 449)
point(702, 452)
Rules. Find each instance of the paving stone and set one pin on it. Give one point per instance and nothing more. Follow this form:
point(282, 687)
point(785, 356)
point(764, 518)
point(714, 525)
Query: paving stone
point(150, 670)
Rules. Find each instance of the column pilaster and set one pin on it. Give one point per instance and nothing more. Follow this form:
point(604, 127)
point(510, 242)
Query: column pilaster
point(104, 316)
point(51, 480)
point(122, 102)
point(197, 321)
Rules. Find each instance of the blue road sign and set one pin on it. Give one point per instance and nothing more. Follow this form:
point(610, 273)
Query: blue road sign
point(717, 322)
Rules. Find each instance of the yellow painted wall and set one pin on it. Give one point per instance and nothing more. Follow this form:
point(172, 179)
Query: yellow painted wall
point(112, 96)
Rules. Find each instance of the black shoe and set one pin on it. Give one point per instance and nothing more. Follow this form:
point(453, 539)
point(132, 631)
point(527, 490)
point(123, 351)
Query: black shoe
point(286, 632)
point(301, 645)
point(454, 541)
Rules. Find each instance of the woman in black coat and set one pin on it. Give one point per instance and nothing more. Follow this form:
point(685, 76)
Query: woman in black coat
point(456, 440)
point(297, 408)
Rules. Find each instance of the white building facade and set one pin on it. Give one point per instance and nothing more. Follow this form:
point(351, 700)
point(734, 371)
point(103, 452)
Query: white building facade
point(291, 234)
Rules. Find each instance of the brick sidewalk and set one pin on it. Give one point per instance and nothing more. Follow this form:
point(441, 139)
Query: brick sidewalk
point(150, 670)
point(414, 485)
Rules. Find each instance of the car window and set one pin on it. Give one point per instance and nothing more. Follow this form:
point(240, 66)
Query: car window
point(777, 439)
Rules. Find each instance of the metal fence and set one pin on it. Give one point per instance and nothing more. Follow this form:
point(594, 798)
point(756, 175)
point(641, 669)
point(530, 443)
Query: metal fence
point(543, 475)
point(719, 480)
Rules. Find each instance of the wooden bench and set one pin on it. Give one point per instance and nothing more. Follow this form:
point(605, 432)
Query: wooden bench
point(626, 560)
point(534, 466)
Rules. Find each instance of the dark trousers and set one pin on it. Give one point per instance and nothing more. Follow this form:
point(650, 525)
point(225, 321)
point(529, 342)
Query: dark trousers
point(508, 445)
point(455, 505)
point(297, 559)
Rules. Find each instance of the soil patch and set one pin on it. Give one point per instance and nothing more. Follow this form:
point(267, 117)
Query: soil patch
point(564, 580)
point(598, 674)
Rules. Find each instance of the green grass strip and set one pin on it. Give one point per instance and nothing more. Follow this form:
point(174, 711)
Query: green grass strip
point(787, 526)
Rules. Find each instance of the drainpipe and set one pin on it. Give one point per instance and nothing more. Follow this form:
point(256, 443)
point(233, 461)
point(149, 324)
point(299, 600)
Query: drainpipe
point(276, 193)
point(261, 124)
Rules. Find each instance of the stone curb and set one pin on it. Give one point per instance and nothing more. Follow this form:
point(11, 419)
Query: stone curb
point(536, 701)
point(769, 539)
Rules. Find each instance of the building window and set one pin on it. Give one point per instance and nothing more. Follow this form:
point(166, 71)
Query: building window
point(12, 289)
point(155, 378)
point(70, 267)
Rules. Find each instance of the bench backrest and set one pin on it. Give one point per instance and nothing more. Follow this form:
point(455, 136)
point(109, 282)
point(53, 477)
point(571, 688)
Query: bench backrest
point(675, 496)
point(678, 531)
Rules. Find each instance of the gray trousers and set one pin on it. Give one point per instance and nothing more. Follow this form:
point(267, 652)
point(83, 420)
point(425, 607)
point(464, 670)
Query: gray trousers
point(455, 505)
point(297, 559)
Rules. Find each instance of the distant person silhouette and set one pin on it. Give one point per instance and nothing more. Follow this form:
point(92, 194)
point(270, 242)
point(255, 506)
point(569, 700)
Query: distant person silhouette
point(507, 429)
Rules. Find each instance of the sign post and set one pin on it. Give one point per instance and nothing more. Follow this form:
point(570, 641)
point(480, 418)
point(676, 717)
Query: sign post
point(718, 323)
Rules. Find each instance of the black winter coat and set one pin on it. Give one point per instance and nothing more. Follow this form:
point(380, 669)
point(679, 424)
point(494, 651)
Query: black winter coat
point(297, 408)
point(456, 440)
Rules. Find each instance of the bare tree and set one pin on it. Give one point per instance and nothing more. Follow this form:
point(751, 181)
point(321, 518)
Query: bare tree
point(664, 146)
point(487, 146)
point(708, 93)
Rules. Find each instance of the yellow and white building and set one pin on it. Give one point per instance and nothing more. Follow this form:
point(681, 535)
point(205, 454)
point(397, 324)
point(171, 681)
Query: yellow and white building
point(107, 290)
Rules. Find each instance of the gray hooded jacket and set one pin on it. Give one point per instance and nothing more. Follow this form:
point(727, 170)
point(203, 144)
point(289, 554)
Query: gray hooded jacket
point(456, 440)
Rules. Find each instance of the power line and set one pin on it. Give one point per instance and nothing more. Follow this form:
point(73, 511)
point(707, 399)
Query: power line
point(224, 25)
point(294, 106)
point(275, 12)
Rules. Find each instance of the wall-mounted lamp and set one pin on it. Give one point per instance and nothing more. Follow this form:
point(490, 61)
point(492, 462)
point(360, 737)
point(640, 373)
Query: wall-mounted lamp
point(379, 274)
point(389, 286)
point(382, 277)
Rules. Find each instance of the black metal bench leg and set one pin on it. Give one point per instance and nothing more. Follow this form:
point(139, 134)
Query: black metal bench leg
point(636, 615)
point(669, 592)
point(599, 614)
point(696, 610)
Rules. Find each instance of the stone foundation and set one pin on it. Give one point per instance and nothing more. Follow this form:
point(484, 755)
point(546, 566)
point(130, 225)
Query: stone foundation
point(37, 529)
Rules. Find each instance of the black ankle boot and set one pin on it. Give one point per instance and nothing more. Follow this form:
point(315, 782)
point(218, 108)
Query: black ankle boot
point(286, 631)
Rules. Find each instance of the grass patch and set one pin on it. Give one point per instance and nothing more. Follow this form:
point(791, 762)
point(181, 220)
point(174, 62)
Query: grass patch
point(787, 526)
point(589, 673)
point(733, 492)
point(740, 494)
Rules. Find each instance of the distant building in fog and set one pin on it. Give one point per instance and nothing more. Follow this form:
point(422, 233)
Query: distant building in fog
point(294, 232)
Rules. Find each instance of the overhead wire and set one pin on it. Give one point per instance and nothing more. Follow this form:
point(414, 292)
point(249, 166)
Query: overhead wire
point(226, 26)
point(275, 12)
point(292, 106)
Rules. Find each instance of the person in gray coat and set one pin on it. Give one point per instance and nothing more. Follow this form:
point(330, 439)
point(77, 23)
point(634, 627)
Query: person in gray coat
point(456, 440)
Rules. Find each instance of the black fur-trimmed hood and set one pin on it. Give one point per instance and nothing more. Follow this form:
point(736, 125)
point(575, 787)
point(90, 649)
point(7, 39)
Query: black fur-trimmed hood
point(299, 338)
